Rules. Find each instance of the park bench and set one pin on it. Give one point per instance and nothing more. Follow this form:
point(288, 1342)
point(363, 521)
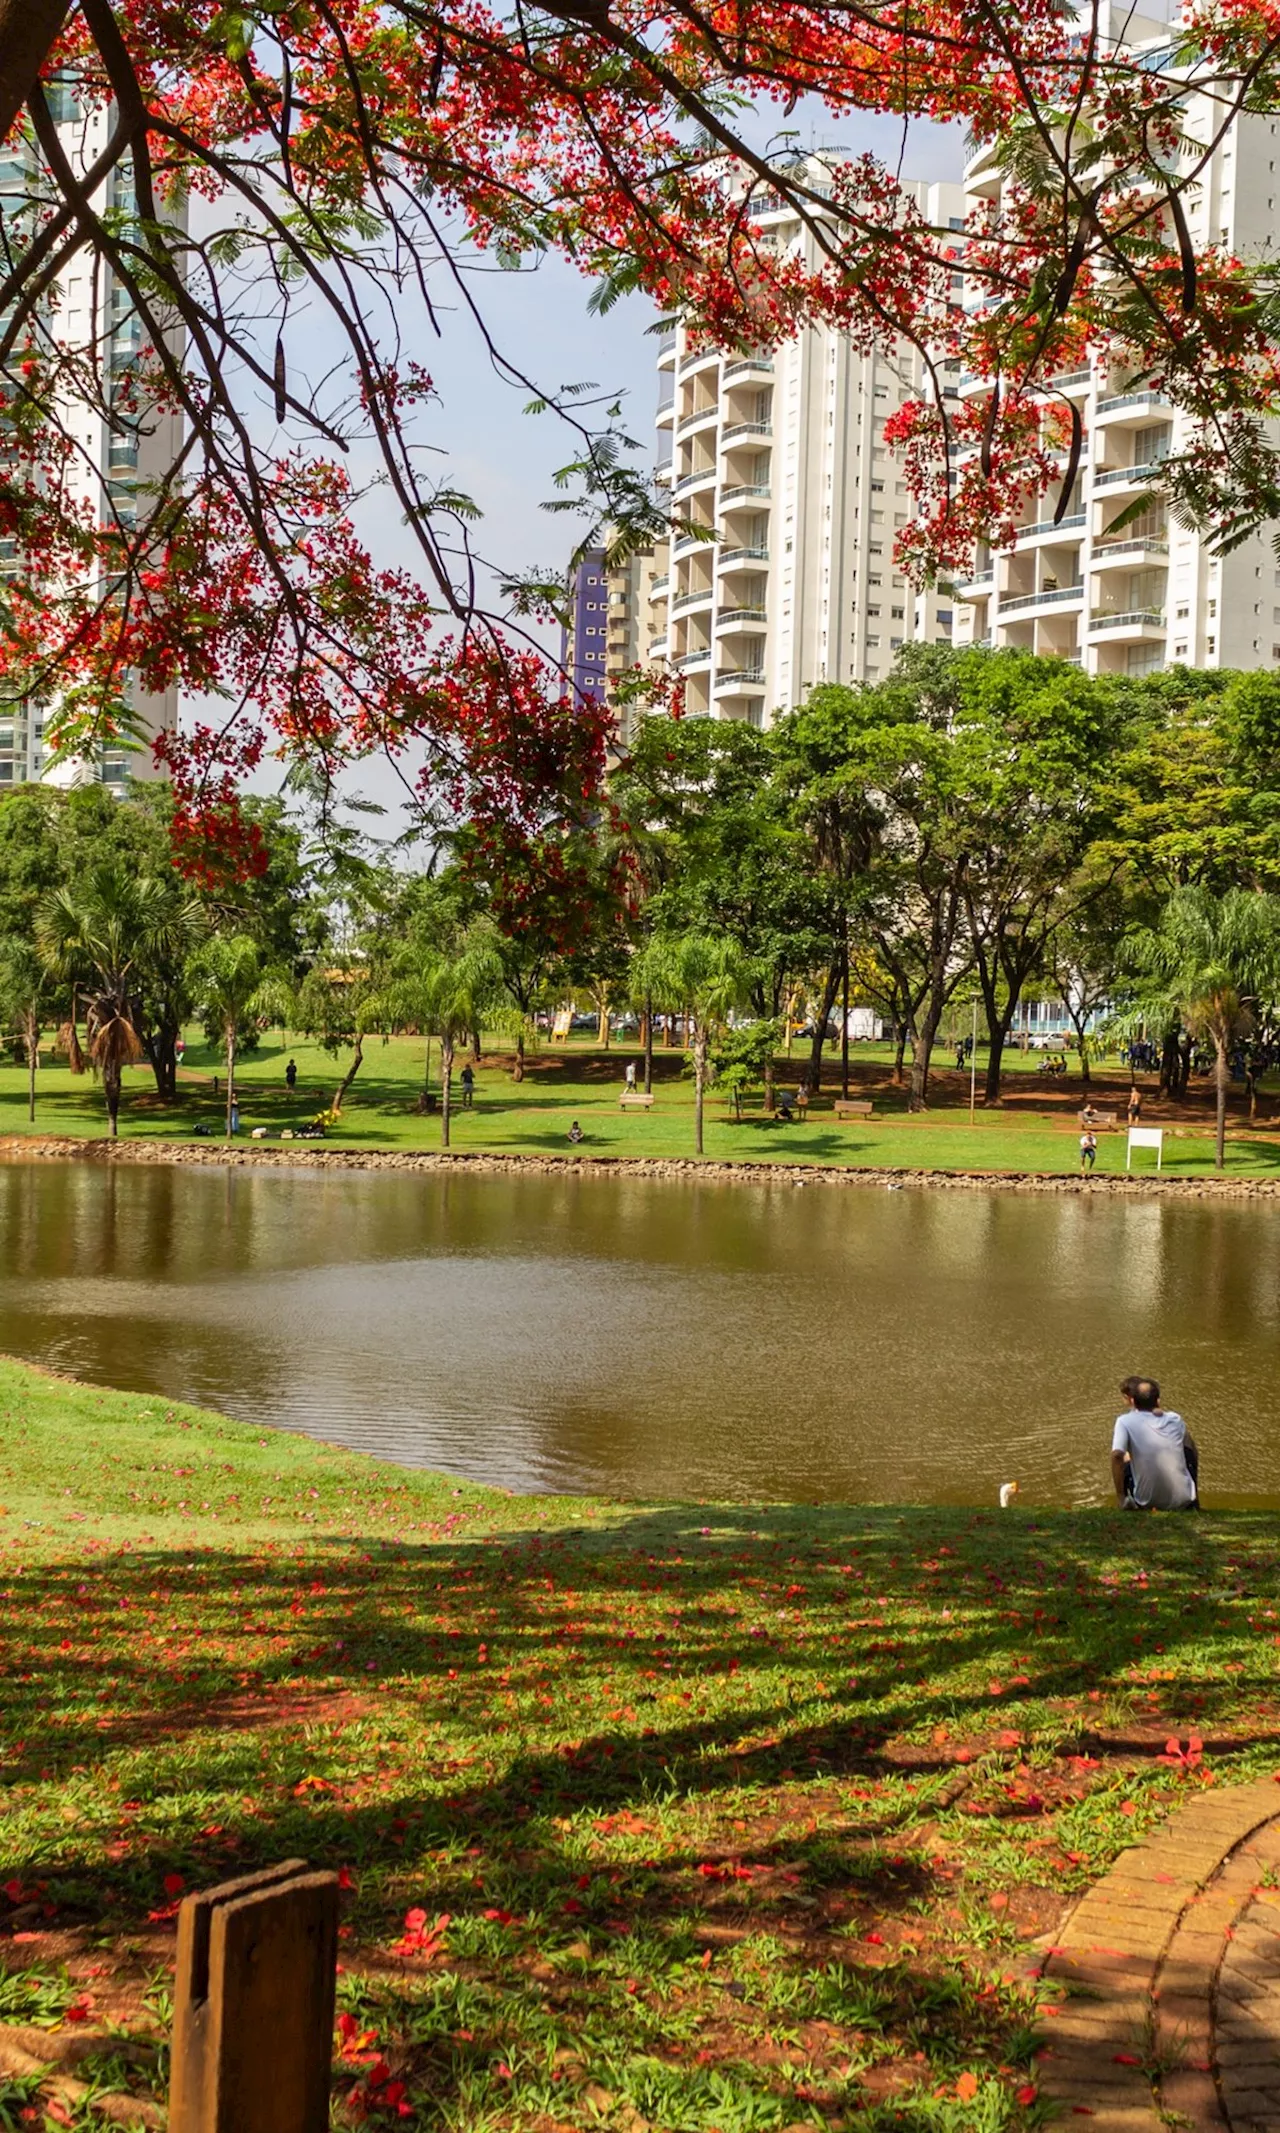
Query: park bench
point(635, 1100)
point(851, 1107)
point(1104, 1122)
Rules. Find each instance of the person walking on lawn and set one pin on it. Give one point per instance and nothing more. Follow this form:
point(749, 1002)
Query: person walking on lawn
point(1155, 1465)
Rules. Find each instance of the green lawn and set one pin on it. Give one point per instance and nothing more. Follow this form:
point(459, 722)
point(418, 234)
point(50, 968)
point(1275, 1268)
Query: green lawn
point(1038, 1132)
point(702, 1819)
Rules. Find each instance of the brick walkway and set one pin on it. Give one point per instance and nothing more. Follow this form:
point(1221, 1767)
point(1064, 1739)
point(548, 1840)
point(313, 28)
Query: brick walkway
point(1170, 1969)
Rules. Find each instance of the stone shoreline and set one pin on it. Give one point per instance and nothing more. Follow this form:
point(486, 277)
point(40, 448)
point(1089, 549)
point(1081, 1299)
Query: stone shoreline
point(312, 1155)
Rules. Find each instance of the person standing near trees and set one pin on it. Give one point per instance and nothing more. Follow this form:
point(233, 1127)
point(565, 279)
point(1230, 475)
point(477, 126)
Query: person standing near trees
point(1088, 1150)
point(468, 1079)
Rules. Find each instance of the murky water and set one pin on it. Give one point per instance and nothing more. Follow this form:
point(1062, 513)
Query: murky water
point(662, 1339)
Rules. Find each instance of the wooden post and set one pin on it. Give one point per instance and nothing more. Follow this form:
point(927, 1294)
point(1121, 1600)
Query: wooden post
point(254, 2004)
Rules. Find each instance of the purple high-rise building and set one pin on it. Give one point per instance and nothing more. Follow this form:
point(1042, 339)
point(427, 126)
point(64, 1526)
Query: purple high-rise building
point(583, 644)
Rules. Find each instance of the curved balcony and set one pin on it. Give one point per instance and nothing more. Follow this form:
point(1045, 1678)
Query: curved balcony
point(657, 648)
point(1028, 603)
point(976, 587)
point(685, 543)
point(688, 601)
point(746, 492)
point(739, 681)
point(1044, 526)
point(1132, 406)
point(1128, 477)
point(689, 660)
point(1073, 382)
point(704, 358)
point(659, 585)
point(743, 559)
point(700, 419)
point(1128, 555)
point(1128, 626)
point(746, 433)
point(741, 618)
point(748, 367)
point(701, 478)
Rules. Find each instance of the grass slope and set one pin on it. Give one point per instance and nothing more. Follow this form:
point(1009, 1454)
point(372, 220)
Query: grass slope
point(1036, 1130)
point(677, 1817)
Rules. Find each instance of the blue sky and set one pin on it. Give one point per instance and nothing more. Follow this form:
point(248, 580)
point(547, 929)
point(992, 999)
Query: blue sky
point(504, 458)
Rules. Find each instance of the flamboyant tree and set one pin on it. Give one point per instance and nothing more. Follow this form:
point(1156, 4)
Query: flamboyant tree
point(347, 162)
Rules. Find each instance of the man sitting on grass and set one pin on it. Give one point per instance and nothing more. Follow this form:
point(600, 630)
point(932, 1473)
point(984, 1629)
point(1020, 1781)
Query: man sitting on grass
point(1154, 1462)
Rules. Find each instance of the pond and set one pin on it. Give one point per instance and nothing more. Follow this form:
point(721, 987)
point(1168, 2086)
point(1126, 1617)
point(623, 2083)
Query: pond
point(649, 1338)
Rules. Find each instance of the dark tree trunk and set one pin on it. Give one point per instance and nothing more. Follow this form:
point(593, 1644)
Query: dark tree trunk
point(900, 1050)
point(829, 991)
point(1220, 1092)
point(648, 1046)
point(357, 1057)
point(111, 1080)
point(844, 1023)
point(517, 1071)
point(699, 1080)
point(161, 1046)
point(1169, 1064)
point(446, 1088)
point(995, 1059)
point(231, 1073)
point(33, 1056)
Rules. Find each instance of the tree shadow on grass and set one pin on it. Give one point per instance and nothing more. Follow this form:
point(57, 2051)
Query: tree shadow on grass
point(669, 1778)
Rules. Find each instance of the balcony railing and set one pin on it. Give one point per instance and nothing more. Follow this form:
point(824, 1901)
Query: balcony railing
point(697, 418)
point(741, 558)
point(1048, 525)
point(755, 615)
point(660, 585)
point(1104, 550)
point(1133, 618)
point(743, 490)
point(1112, 479)
point(1118, 400)
point(746, 429)
point(692, 659)
point(739, 677)
point(693, 599)
point(696, 480)
point(735, 369)
point(1055, 598)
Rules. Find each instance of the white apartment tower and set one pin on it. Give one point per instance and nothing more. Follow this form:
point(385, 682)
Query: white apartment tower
point(1148, 594)
point(785, 575)
point(113, 456)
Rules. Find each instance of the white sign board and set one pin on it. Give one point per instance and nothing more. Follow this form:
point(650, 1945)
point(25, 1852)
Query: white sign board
point(1145, 1137)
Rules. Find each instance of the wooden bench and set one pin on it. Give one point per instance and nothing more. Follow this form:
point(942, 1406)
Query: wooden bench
point(1103, 1122)
point(635, 1100)
point(850, 1107)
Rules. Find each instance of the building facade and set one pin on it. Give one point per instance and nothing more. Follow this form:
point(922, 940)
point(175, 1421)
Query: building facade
point(584, 640)
point(1135, 597)
point(118, 448)
point(786, 502)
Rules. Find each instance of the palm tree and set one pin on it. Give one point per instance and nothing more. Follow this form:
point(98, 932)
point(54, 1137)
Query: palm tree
point(101, 934)
point(700, 976)
point(231, 986)
point(448, 992)
point(1209, 963)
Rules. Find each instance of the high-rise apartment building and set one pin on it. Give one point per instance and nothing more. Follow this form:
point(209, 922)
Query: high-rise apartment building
point(608, 629)
point(783, 573)
point(119, 447)
point(1134, 597)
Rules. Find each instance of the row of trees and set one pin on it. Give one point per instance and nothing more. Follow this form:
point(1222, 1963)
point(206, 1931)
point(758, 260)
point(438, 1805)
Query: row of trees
point(982, 822)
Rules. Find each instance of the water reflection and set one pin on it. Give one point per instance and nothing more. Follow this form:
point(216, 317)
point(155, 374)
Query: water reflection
point(649, 1338)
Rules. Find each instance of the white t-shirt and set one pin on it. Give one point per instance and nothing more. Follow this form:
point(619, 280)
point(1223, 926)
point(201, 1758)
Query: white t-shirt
point(1155, 1443)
